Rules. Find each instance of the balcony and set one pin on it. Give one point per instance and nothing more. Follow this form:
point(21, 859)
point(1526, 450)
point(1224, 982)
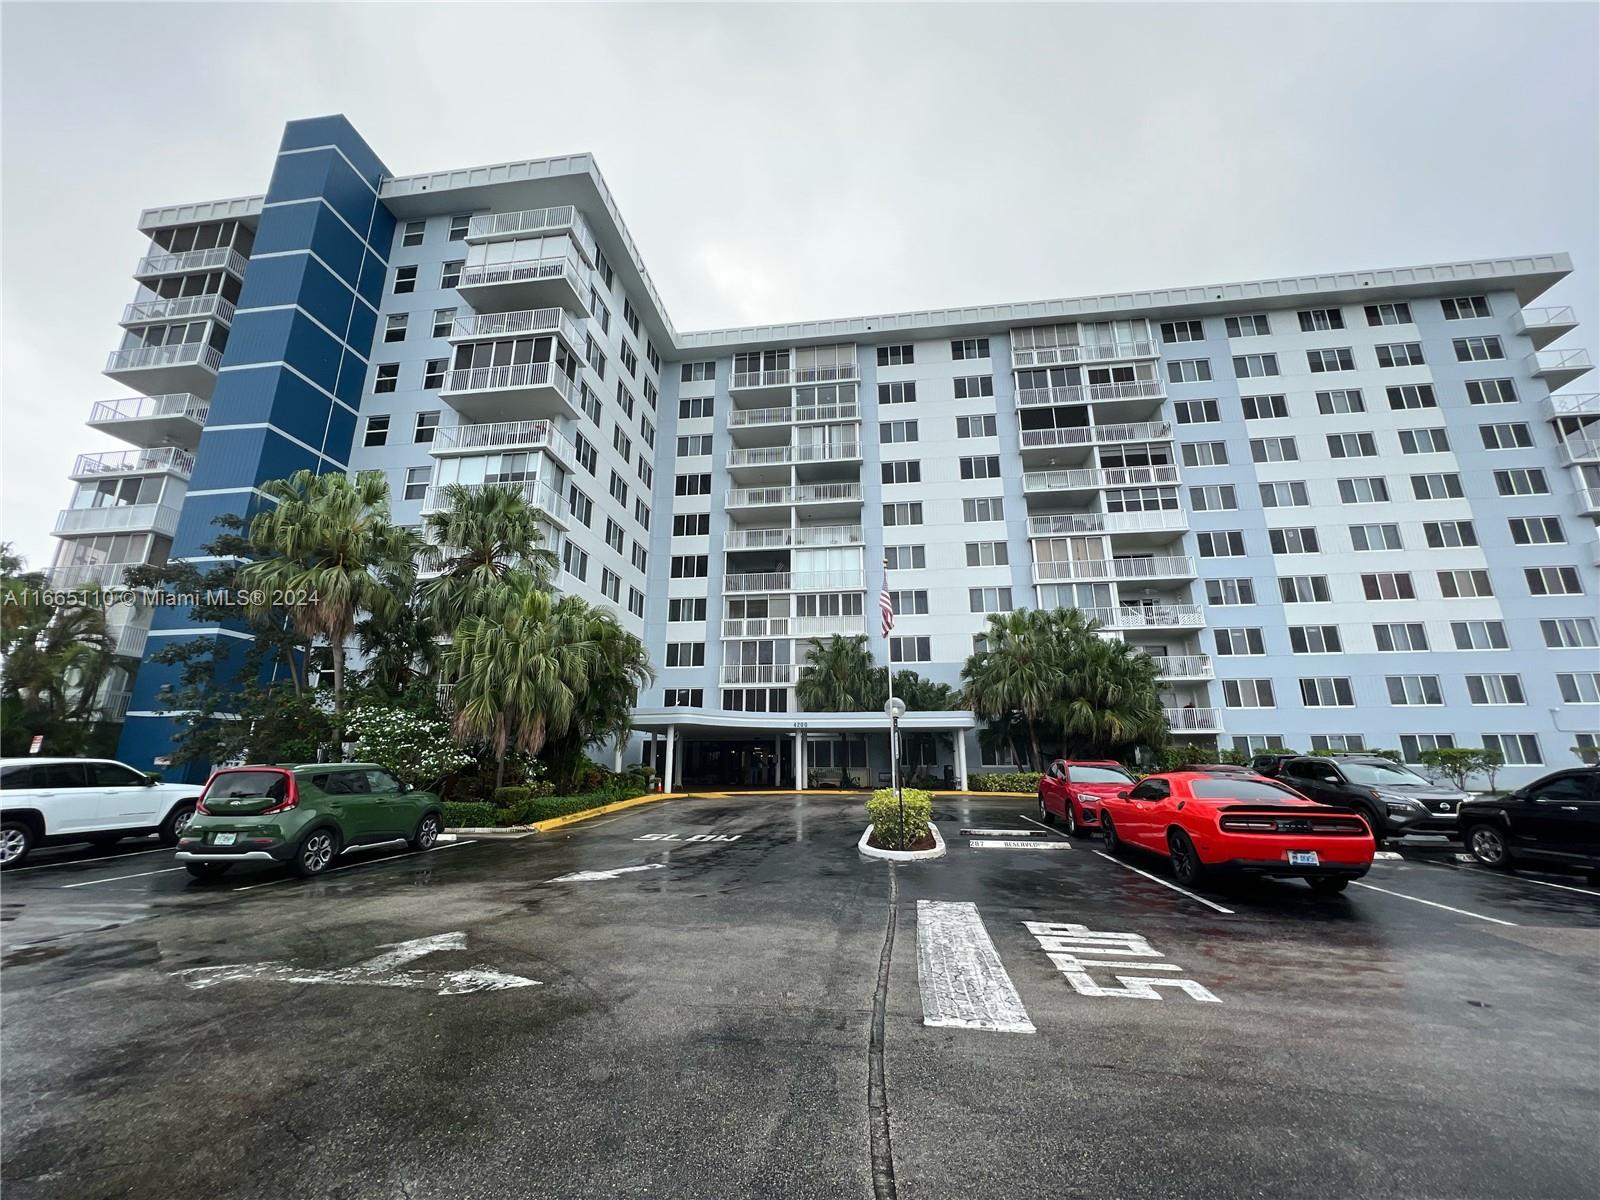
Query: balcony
point(119, 518)
point(1544, 325)
point(764, 627)
point(1095, 435)
point(776, 673)
point(114, 705)
point(536, 492)
point(502, 435)
point(177, 308)
point(1074, 393)
point(1072, 524)
point(793, 414)
point(1589, 501)
point(130, 639)
point(1096, 478)
point(185, 367)
point(218, 258)
point(518, 392)
point(810, 499)
point(1148, 616)
point(1577, 404)
point(1559, 367)
point(526, 284)
point(803, 535)
point(761, 381)
point(529, 322)
point(171, 420)
point(1193, 720)
point(1581, 447)
point(781, 456)
point(76, 576)
point(800, 581)
point(733, 628)
point(1177, 566)
point(1053, 356)
point(534, 222)
point(1183, 666)
point(165, 460)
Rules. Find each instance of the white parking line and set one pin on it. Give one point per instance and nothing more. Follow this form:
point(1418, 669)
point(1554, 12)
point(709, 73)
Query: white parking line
point(1433, 904)
point(964, 984)
point(1164, 883)
point(1565, 887)
point(75, 862)
point(115, 878)
point(1041, 825)
point(347, 866)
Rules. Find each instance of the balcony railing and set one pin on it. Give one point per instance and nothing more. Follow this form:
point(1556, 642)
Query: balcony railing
point(1581, 447)
point(1155, 616)
point(1067, 524)
point(158, 518)
point(1193, 720)
point(524, 321)
point(517, 375)
point(761, 379)
point(218, 258)
point(1073, 393)
point(130, 639)
point(755, 627)
point(843, 373)
point(114, 706)
point(143, 312)
point(1090, 435)
point(1564, 365)
point(1099, 477)
point(828, 626)
point(1544, 325)
point(141, 408)
point(1049, 356)
point(1176, 566)
point(1575, 404)
point(491, 226)
point(536, 492)
point(758, 672)
point(134, 462)
point(1183, 666)
point(763, 627)
point(524, 271)
point(1589, 499)
point(803, 535)
point(767, 456)
point(81, 576)
point(809, 493)
point(798, 581)
point(181, 355)
point(502, 435)
point(793, 414)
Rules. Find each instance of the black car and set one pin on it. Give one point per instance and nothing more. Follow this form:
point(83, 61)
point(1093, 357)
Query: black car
point(1268, 763)
point(1394, 800)
point(1555, 819)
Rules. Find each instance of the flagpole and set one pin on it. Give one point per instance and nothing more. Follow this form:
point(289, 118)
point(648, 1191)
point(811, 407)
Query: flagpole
point(888, 668)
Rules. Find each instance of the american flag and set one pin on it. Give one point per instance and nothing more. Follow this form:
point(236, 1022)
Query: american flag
point(886, 606)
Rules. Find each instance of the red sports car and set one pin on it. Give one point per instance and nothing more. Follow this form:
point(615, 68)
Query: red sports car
point(1243, 823)
point(1072, 791)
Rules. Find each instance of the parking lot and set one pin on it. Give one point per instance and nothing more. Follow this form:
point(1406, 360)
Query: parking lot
point(717, 997)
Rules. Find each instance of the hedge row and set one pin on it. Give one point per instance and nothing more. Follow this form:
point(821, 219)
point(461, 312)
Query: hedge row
point(526, 805)
point(1005, 781)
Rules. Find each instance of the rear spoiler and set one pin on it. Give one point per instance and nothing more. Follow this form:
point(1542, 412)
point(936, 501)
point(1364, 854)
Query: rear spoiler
point(1277, 810)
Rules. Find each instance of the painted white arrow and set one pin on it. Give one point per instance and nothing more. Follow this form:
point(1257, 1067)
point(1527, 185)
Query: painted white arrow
point(593, 876)
point(381, 970)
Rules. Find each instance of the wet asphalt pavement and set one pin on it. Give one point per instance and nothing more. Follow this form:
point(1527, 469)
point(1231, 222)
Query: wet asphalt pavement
point(705, 1026)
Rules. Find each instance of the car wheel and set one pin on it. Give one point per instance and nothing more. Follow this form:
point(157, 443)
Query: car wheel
point(1328, 885)
point(208, 870)
point(1487, 844)
point(177, 821)
point(16, 840)
point(1073, 828)
point(1108, 834)
point(315, 853)
point(1045, 816)
point(1375, 822)
point(427, 832)
point(1186, 865)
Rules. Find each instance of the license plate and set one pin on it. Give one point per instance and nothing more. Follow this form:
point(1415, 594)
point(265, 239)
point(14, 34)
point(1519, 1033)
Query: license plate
point(226, 839)
point(1303, 858)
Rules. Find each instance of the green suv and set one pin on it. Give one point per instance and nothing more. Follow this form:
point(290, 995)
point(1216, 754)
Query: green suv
point(303, 815)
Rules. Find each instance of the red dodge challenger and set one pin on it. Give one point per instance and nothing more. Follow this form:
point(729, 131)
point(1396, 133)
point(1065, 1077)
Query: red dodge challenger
point(1242, 823)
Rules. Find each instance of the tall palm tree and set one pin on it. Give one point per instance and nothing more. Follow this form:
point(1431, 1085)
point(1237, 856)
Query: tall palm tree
point(402, 646)
point(475, 544)
point(838, 675)
point(324, 543)
point(1110, 692)
point(1016, 673)
point(620, 667)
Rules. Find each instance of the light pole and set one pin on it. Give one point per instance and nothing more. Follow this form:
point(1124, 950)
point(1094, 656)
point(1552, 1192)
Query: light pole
point(896, 708)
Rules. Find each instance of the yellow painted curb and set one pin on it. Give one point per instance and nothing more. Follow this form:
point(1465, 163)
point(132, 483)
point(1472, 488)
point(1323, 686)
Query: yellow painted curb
point(614, 806)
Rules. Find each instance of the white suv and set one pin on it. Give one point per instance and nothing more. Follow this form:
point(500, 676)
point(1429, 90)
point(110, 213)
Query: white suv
point(52, 800)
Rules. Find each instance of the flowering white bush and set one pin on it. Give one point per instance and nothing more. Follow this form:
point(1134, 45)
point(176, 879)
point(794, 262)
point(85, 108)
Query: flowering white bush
point(418, 749)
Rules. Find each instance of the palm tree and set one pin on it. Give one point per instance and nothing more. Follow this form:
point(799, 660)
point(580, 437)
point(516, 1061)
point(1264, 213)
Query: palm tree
point(620, 667)
point(402, 647)
point(838, 675)
point(1110, 698)
point(323, 545)
point(923, 695)
point(475, 544)
point(1016, 673)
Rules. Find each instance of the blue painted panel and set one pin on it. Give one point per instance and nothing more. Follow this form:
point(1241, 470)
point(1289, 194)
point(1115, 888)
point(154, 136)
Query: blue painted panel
point(311, 225)
point(352, 378)
point(287, 335)
point(301, 280)
point(334, 130)
point(323, 173)
point(374, 275)
point(341, 435)
point(277, 396)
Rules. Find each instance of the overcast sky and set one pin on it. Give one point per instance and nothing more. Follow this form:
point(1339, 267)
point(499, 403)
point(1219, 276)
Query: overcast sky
point(778, 163)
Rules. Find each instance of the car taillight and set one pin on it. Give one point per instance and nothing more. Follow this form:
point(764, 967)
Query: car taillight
point(291, 797)
point(200, 804)
point(1250, 824)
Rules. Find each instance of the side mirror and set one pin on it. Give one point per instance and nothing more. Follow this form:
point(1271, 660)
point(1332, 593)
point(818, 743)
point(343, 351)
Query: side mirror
point(151, 780)
point(1124, 793)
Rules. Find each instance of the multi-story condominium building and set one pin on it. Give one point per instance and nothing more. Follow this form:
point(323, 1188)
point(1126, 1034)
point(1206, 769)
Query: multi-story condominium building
point(1341, 511)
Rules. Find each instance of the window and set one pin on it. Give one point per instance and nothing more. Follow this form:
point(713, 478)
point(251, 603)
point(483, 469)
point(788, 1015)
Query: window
point(1317, 319)
point(686, 608)
point(1388, 585)
point(1463, 308)
point(1424, 441)
point(987, 554)
point(1220, 543)
point(590, 403)
point(1337, 741)
point(1477, 349)
point(1568, 633)
point(1274, 449)
point(1248, 693)
point(1254, 366)
point(972, 427)
point(624, 399)
point(394, 327)
point(1303, 589)
point(691, 407)
point(1327, 692)
point(582, 507)
point(685, 698)
point(1367, 489)
point(427, 425)
point(1581, 687)
point(1388, 314)
point(697, 372)
point(973, 387)
point(443, 320)
point(1230, 591)
point(1461, 585)
point(983, 466)
point(1413, 744)
point(639, 556)
point(896, 356)
point(967, 348)
point(1189, 370)
point(1263, 408)
point(458, 228)
point(1236, 642)
point(1214, 498)
point(1413, 689)
point(1491, 391)
point(692, 485)
point(1348, 400)
point(989, 599)
point(1441, 535)
point(1315, 639)
point(905, 513)
point(1400, 637)
point(1400, 354)
point(377, 432)
point(897, 393)
point(894, 432)
point(651, 395)
point(1205, 454)
point(1375, 537)
point(1352, 445)
point(630, 363)
point(1182, 331)
point(1250, 325)
point(903, 471)
point(387, 378)
point(621, 444)
point(416, 485)
point(694, 445)
point(594, 357)
point(1196, 412)
point(584, 452)
point(1522, 481)
point(1321, 361)
point(1479, 635)
point(1437, 486)
point(603, 268)
point(575, 561)
point(1411, 395)
point(450, 273)
point(619, 489)
point(412, 234)
point(610, 584)
point(1292, 494)
point(1536, 531)
point(405, 280)
point(1495, 689)
point(1302, 540)
point(1517, 749)
point(686, 654)
point(1510, 436)
point(905, 558)
point(691, 524)
point(910, 649)
point(433, 372)
point(690, 566)
point(1553, 581)
point(983, 508)
point(629, 316)
point(614, 537)
point(636, 607)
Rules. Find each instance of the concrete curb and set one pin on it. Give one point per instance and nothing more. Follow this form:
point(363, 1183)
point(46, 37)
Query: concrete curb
point(902, 855)
point(614, 806)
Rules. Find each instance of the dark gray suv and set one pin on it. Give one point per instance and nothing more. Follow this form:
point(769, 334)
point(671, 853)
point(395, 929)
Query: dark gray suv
point(1394, 800)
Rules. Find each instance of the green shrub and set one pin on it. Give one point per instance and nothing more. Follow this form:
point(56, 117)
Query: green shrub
point(468, 816)
point(1005, 781)
point(511, 797)
point(884, 812)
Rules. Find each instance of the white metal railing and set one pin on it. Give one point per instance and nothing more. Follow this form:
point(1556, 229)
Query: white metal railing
point(131, 639)
point(177, 307)
point(159, 518)
point(828, 626)
point(766, 456)
point(1550, 315)
point(1164, 567)
point(1589, 499)
point(114, 706)
point(802, 535)
point(809, 493)
point(761, 379)
point(1183, 666)
point(794, 414)
point(1063, 524)
point(1574, 404)
point(134, 462)
point(758, 673)
point(1543, 361)
point(1154, 616)
point(1582, 447)
point(1089, 435)
point(1046, 356)
point(536, 492)
point(1099, 477)
point(90, 575)
point(528, 270)
point(498, 435)
point(797, 581)
point(135, 408)
point(1076, 393)
point(523, 321)
point(1193, 719)
point(517, 375)
point(217, 258)
point(489, 226)
point(181, 355)
point(755, 627)
point(842, 373)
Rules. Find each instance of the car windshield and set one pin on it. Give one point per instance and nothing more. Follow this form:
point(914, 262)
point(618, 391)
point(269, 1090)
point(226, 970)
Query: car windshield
point(1392, 774)
point(1237, 789)
point(1098, 775)
point(240, 785)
